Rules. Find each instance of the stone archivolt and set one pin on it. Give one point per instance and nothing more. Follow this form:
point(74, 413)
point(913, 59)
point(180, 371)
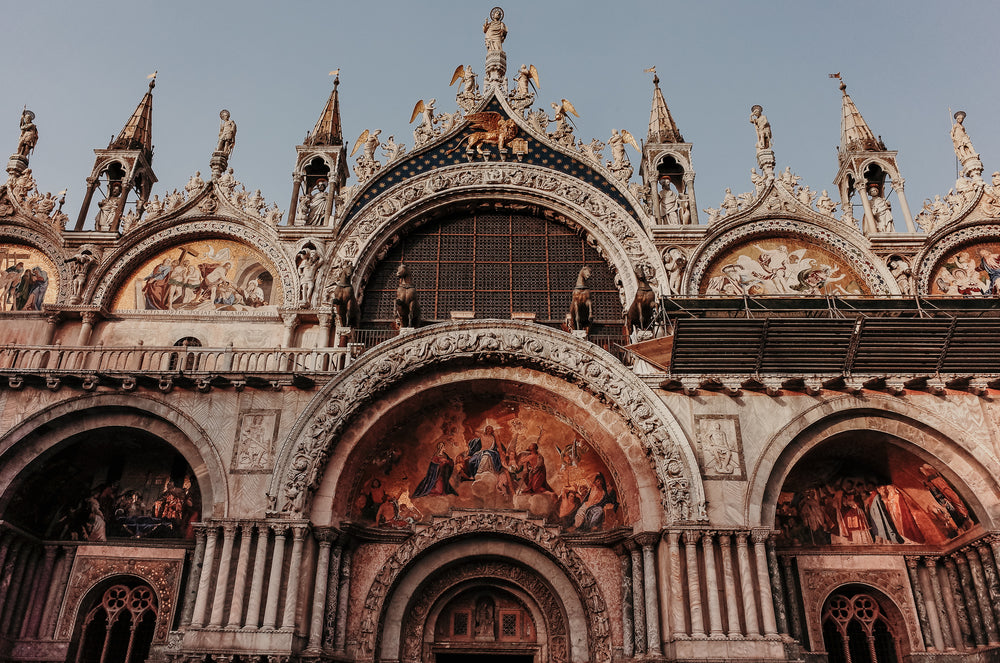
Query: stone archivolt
point(305, 453)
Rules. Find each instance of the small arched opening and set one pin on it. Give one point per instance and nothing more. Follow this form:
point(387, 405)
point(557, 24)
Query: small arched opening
point(860, 625)
point(116, 623)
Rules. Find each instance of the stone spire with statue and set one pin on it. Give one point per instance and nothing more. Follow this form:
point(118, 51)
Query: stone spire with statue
point(26, 142)
point(495, 31)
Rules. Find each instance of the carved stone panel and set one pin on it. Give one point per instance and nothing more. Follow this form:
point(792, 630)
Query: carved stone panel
point(720, 446)
point(253, 451)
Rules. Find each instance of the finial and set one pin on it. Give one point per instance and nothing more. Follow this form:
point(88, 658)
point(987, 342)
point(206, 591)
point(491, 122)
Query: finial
point(336, 77)
point(152, 79)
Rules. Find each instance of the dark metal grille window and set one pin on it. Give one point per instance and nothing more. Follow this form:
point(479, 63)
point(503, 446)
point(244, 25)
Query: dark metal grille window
point(508, 625)
point(494, 265)
point(461, 623)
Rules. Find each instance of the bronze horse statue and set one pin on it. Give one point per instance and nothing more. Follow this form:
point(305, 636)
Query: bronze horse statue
point(639, 316)
point(579, 308)
point(345, 305)
point(407, 303)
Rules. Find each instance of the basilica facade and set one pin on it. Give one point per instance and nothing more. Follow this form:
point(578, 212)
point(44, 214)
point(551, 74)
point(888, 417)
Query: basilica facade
point(504, 394)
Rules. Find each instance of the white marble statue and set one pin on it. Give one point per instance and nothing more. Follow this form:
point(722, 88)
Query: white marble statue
point(882, 212)
point(825, 204)
point(763, 127)
point(227, 133)
point(495, 31)
point(29, 134)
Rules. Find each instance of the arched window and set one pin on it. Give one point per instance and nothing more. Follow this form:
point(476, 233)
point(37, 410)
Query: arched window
point(190, 363)
point(120, 627)
point(856, 631)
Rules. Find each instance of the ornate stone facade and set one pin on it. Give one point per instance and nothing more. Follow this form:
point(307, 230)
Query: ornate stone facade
point(367, 428)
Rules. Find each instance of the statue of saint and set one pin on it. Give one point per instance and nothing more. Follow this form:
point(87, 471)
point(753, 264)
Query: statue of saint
point(960, 137)
point(495, 31)
point(29, 134)
point(317, 205)
point(763, 127)
point(227, 134)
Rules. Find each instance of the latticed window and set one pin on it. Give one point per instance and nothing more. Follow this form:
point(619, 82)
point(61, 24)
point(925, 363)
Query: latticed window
point(510, 625)
point(460, 623)
point(494, 265)
point(119, 629)
point(856, 631)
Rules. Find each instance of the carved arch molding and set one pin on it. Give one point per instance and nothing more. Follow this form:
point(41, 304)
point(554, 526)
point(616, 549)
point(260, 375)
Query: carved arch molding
point(597, 618)
point(305, 452)
point(618, 235)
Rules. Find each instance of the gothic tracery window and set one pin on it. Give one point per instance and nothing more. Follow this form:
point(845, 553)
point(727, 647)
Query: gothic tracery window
point(856, 631)
point(119, 629)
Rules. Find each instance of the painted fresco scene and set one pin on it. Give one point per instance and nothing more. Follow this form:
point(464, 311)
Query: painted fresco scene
point(489, 454)
point(28, 279)
point(972, 271)
point(214, 275)
point(780, 266)
point(890, 497)
point(113, 484)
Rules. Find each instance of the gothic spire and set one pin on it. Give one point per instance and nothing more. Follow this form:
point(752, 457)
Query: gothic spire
point(327, 130)
point(138, 131)
point(855, 135)
point(662, 128)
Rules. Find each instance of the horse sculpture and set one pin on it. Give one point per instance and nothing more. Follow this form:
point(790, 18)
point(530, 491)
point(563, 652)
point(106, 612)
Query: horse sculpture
point(579, 308)
point(639, 316)
point(344, 303)
point(407, 304)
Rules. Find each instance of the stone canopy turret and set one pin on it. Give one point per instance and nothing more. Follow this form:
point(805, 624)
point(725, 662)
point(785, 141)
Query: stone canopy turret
point(666, 169)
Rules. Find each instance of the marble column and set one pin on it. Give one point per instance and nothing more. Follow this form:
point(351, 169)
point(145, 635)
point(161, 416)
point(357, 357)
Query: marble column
point(340, 641)
point(324, 538)
point(222, 578)
point(760, 538)
point(40, 595)
point(323, 336)
point(332, 595)
point(990, 571)
point(294, 570)
point(653, 644)
point(197, 560)
point(975, 616)
point(691, 538)
point(274, 579)
point(746, 585)
point(638, 599)
point(729, 586)
point(628, 627)
point(918, 600)
point(958, 600)
point(777, 590)
point(252, 620)
point(240, 583)
point(792, 599)
point(942, 611)
point(14, 556)
point(24, 581)
point(712, 586)
point(64, 568)
point(205, 581)
point(677, 623)
point(982, 595)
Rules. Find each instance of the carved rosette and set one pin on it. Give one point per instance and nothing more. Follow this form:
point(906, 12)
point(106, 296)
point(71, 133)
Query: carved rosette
point(306, 451)
point(618, 235)
point(598, 621)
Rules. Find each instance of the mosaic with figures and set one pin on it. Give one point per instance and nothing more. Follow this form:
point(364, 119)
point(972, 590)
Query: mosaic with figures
point(487, 453)
point(781, 266)
point(214, 275)
point(971, 271)
point(28, 279)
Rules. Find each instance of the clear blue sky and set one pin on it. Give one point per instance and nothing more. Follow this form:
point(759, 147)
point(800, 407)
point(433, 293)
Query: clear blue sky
point(82, 68)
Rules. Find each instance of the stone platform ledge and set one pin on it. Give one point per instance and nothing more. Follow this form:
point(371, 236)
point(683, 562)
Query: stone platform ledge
point(726, 650)
point(240, 641)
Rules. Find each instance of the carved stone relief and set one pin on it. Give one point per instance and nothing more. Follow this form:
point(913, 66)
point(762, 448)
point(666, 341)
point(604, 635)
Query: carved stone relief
point(721, 446)
point(253, 452)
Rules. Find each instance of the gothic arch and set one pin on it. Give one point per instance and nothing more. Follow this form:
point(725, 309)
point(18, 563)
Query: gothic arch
point(303, 455)
point(507, 539)
point(617, 235)
point(50, 426)
point(105, 282)
point(960, 459)
point(890, 589)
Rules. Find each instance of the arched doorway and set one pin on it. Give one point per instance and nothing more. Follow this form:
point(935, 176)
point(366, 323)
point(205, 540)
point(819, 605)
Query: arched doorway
point(858, 629)
point(116, 624)
point(487, 621)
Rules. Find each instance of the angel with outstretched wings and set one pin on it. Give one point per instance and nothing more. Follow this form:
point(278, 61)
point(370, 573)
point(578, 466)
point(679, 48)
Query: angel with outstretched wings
point(370, 142)
point(526, 76)
point(468, 78)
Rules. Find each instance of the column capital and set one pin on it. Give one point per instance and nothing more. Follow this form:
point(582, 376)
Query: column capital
point(724, 538)
point(959, 558)
point(324, 319)
point(931, 560)
point(760, 535)
point(912, 561)
point(289, 319)
point(647, 539)
point(326, 535)
point(981, 546)
point(299, 532)
point(279, 529)
point(229, 529)
point(692, 536)
point(672, 537)
point(741, 538)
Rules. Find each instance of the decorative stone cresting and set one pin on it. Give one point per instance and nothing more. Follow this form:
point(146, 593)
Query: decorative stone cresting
point(598, 622)
point(305, 452)
point(620, 236)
